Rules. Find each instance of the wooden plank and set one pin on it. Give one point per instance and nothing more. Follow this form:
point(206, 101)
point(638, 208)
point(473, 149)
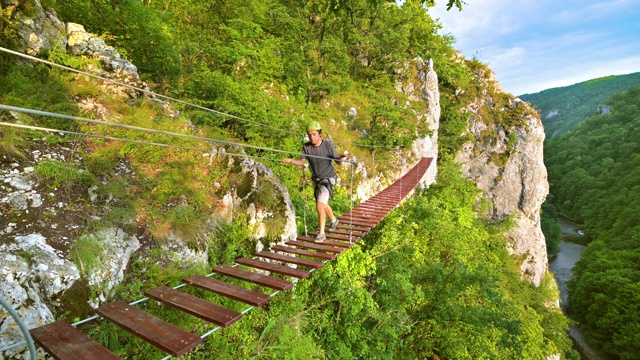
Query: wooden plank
point(367, 212)
point(365, 217)
point(374, 207)
point(310, 245)
point(368, 224)
point(353, 228)
point(65, 342)
point(159, 333)
point(290, 259)
point(314, 254)
point(356, 225)
point(254, 277)
point(325, 242)
point(276, 268)
point(380, 205)
point(251, 297)
point(195, 306)
point(335, 235)
point(356, 210)
point(355, 233)
point(387, 197)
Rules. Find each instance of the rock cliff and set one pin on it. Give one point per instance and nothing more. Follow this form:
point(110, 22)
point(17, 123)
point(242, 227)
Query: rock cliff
point(505, 159)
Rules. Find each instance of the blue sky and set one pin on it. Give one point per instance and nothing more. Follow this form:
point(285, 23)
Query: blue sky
point(533, 45)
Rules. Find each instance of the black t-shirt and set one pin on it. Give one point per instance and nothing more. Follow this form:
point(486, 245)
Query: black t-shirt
point(320, 168)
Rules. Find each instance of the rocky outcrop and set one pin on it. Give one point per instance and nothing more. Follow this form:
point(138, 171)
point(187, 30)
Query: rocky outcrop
point(43, 31)
point(117, 249)
point(40, 32)
point(419, 81)
point(82, 43)
point(507, 163)
point(33, 277)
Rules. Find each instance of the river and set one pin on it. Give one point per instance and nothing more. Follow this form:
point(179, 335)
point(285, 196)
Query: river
point(561, 264)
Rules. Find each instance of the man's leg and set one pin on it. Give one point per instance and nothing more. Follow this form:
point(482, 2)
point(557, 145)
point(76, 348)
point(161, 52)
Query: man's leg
point(322, 215)
point(324, 210)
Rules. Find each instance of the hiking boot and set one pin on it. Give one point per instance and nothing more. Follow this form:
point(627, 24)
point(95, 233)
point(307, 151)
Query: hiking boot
point(320, 238)
point(334, 224)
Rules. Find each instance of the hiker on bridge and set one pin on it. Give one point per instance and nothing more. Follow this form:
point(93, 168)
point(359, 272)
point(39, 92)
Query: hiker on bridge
point(323, 174)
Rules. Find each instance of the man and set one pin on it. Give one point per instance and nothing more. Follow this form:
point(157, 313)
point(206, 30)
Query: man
point(320, 153)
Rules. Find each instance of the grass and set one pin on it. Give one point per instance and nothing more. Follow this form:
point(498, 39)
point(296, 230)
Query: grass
point(86, 253)
point(63, 174)
point(12, 142)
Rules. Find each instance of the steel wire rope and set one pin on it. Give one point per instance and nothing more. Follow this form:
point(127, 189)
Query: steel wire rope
point(304, 200)
point(149, 92)
point(36, 112)
point(131, 127)
point(164, 145)
point(351, 210)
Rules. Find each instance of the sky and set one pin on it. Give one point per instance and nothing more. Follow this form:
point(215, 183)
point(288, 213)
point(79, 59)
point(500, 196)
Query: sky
point(533, 45)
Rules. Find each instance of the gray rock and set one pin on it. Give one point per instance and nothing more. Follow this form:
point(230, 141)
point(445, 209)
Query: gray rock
point(21, 183)
point(36, 200)
point(30, 285)
point(44, 31)
point(516, 188)
point(19, 201)
point(118, 247)
point(92, 193)
point(15, 288)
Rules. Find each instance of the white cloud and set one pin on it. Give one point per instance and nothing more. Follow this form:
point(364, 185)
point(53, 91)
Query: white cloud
point(596, 10)
point(535, 45)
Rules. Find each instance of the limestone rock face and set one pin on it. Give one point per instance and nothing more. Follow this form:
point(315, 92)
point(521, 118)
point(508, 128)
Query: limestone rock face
point(117, 247)
point(33, 276)
point(44, 31)
point(419, 85)
point(256, 192)
point(80, 42)
point(507, 163)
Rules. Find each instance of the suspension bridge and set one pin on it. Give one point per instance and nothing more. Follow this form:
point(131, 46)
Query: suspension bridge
point(291, 261)
point(64, 341)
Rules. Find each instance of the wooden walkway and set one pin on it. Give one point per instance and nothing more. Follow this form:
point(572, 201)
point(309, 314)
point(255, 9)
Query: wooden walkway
point(65, 342)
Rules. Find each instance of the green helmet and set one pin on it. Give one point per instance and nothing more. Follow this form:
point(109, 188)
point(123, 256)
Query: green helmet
point(313, 125)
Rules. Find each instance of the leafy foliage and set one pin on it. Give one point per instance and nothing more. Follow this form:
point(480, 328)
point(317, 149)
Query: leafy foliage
point(561, 109)
point(435, 281)
point(593, 173)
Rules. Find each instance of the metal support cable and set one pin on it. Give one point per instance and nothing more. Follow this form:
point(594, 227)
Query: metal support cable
point(145, 91)
point(155, 131)
point(149, 92)
point(304, 202)
point(23, 327)
point(351, 210)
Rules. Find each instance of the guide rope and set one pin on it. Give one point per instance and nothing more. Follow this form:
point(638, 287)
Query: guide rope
point(145, 91)
point(149, 92)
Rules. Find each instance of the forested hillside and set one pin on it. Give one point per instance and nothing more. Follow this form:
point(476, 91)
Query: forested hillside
point(594, 172)
point(433, 281)
point(561, 109)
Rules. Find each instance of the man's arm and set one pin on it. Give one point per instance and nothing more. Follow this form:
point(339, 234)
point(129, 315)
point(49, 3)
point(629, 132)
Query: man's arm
point(298, 162)
point(335, 156)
